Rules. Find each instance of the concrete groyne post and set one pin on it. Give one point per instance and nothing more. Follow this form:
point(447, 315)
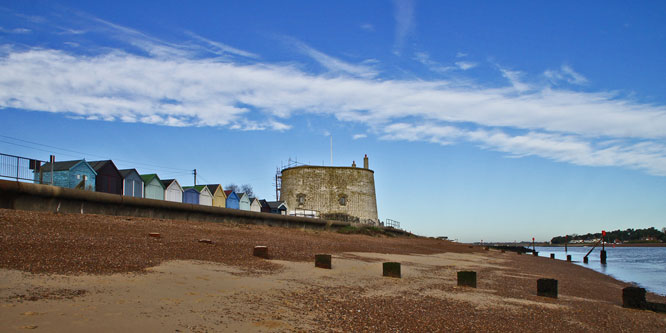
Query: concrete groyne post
point(467, 279)
point(323, 261)
point(634, 298)
point(552, 256)
point(569, 257)
point(547, 288)
point(391, 269)
point(260, 251)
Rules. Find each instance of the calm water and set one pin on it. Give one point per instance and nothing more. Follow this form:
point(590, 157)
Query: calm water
point(644, 266)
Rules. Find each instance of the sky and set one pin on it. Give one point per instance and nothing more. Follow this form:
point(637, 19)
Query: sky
point(494, 121)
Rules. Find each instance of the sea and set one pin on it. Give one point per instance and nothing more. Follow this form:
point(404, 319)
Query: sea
point(643, 266)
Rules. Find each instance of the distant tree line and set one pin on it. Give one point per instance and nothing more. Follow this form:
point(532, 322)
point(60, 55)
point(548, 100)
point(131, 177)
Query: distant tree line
point(245, 188)
point(629, 235)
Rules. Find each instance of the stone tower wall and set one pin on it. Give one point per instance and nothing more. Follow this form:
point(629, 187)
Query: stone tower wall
point(323, 187)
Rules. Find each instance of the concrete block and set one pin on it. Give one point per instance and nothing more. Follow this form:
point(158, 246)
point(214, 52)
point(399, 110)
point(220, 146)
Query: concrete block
point(323, 261)
point(391, 269)
point(261, 251)
point(467, 279)
point(547, 288)
point(634, 298)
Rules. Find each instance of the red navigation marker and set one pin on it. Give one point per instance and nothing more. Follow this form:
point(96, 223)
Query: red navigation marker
point(603, 233)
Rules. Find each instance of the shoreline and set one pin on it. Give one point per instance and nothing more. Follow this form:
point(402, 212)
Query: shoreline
point(73, 272)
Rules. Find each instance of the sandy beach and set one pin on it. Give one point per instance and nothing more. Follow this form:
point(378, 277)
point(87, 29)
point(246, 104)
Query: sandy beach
point(81, 273)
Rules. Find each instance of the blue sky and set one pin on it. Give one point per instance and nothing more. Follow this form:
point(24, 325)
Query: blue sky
point(482, 120)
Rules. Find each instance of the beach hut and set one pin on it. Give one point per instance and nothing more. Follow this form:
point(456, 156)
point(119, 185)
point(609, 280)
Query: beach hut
point(70, 174)
point(232, 199)
point(219, 197)
point(274, 207)
point(152, 187)
point(108, 179)
point(132, 183)
point(243, 201)
point(172, 190)
point(255, 205)
point(197, 195)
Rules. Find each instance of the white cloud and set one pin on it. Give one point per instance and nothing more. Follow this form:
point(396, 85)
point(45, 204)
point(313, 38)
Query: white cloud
point(465, 65)
point(404, 23)
point(461, 55)
point(368, 27)
point(359, 136)
point(566, 73)
point(222, 49)
point(15, 30)
point(333, 64)
point(514, 78)
point(170, 86)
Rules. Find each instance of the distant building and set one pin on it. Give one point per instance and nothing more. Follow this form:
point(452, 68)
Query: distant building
point(197, 195)
point(152, 187)
point(69, 174)
point(108, 179)
point(219, 197)
point(232, 200)
point(243, 201)
point(255, 205)
point(172, 190)
point(333, 193)
point(274, 207)
point(132, 183)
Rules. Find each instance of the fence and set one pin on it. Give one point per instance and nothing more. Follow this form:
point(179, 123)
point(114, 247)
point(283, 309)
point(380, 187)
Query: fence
point(19, 168)
point(392, 223)
point(305, 213)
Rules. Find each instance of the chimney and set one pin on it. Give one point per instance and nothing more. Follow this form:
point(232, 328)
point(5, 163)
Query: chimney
point(353, 164)
point(365, 162)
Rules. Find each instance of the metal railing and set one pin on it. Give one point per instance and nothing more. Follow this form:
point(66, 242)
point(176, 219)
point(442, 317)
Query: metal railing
point(392, 223)
point(305, 213)
point(19, 168)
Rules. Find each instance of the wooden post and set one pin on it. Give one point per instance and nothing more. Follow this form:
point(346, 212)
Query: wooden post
point(634, 297)
point(552, 256)
point(547, 288)
point(323, 261)
point(261, 251)
point(602, 255)
point(391, 269)
point(568, 257)
point(585, 260)
point(467, 279)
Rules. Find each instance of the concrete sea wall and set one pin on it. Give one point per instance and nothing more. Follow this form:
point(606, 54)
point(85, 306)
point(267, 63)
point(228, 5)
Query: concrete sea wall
point(46, 198)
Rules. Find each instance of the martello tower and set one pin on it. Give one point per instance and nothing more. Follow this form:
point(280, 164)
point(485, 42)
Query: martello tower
point(335, 193)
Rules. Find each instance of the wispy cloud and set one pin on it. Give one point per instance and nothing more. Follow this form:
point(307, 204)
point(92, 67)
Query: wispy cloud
point(566, 74)
point(367, 27)
point(424, 58)
point(15, 30)
point(221, 48)
point(404, 23)
point(465, 65)
point(514, 78)
point(334, 65)
point(175, 87)
point(359, 136)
